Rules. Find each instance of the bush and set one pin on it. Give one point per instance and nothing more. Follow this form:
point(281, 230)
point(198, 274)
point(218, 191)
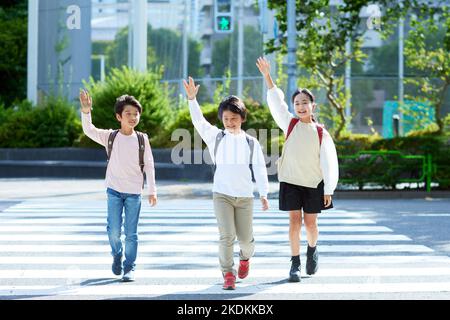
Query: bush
point(53, 123)
point(350, 143)
point(388, 170)
point(145, 87)
point(259, 117)
point(182, 120)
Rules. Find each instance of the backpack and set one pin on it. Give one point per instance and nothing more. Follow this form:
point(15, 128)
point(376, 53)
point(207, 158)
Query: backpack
point(294, 121)
point(140, 137)
point(251, 145)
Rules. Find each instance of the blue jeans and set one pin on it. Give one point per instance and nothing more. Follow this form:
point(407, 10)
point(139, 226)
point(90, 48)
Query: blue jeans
point(117, 201)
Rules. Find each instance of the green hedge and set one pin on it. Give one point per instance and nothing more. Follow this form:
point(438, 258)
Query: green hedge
point(157, 107)
point(387, 171)
point(53, 123)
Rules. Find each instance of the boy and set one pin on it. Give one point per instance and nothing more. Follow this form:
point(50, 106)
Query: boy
point(124, 176)
point(236, 156)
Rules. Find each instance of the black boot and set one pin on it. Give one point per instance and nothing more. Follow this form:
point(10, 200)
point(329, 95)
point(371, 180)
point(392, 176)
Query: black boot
point(312, 260)
point(294, 274)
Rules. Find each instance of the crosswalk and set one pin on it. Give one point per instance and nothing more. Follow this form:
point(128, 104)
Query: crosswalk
point(60, 249)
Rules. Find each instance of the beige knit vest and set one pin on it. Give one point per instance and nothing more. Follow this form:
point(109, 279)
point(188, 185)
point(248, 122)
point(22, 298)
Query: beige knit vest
point(299, 163)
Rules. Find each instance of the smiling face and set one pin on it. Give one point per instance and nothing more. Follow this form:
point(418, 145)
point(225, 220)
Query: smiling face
point(129, 118)
point(304, 107)
point(232, 121)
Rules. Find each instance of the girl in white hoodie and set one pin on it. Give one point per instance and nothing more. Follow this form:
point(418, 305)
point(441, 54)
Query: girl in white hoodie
point(307, 169)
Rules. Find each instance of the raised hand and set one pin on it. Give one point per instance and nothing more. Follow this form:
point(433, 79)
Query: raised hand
point(190, 88)
point(85, 101)
point(263, 66)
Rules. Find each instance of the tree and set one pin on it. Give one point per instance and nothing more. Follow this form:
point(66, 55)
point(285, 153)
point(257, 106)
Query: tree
point(322, 34)
point(224, 53)
point(13, 51)
point(432, 58)
point(164, 48)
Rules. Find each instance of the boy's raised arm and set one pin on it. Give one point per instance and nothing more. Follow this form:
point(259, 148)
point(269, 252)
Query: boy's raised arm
point(85, 101)
point(98, 135)
point(207, 131)
point(190, 88)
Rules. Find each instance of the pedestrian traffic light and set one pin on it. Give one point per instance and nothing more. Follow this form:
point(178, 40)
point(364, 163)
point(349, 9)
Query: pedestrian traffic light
point(223, 16)
point(223, 23)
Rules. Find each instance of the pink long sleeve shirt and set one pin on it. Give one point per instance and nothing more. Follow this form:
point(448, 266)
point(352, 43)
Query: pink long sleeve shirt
point(123, 173)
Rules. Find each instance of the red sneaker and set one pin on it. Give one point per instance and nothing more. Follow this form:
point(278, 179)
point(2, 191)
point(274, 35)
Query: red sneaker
point(244, 266)
point(229, 281)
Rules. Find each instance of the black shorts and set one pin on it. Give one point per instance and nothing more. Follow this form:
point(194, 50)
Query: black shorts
point(294, 197)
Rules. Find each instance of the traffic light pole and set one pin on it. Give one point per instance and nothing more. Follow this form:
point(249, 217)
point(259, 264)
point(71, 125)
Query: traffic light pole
point(240, 48)
point(140, 35)
point(292, 34)
point(32, 58)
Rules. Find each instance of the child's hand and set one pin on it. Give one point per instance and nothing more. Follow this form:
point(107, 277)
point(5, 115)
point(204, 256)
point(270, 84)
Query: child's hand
point(327, 200)
point(86, 101)
point(152, 199)
point(265, 203)
point(191, 88)
point(263, 66)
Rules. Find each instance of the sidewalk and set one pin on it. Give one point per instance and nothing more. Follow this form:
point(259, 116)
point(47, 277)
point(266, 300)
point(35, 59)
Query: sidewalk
point(94, 189)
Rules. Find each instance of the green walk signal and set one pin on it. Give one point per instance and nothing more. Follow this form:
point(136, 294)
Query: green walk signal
point(223, 24)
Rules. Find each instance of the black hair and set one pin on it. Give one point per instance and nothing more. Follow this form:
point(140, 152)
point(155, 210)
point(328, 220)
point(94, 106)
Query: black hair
point(233, 104)
point(310, 96)
point(125, 100)
point(305, 91)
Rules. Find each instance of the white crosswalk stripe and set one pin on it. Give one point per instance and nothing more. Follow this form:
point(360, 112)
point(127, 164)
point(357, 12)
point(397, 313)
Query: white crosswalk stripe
point(61, 249)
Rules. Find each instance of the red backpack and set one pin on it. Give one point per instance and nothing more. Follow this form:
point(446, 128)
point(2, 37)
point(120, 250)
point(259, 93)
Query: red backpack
point(294, 121)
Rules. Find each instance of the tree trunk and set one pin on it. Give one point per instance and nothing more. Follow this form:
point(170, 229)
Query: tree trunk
point(438, 106)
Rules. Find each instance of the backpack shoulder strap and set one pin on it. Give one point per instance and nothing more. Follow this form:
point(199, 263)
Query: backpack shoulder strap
point(141, 141)
point(219, 138)
point(111, 138)
point(320, 132)
point(251, 144)
point(292, 124)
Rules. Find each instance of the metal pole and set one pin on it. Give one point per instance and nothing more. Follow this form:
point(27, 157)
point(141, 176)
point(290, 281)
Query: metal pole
point(185, 48)
point(32, 56)
point(102, 68)
point(240, 48)
point(400, 71)
point(292, 81)
point(348, 84)
point(140, 35)
point(130, 35)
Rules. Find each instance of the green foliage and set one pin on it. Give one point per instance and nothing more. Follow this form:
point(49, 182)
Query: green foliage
point(145, 87)
point(13, 51)
point(432, 58)
point(387, 170)
point(53, 123)
point(164, 49)
point(224, 53)
point(350, 144)
point(322, 34)
point(258, 117)
point(182, 120)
